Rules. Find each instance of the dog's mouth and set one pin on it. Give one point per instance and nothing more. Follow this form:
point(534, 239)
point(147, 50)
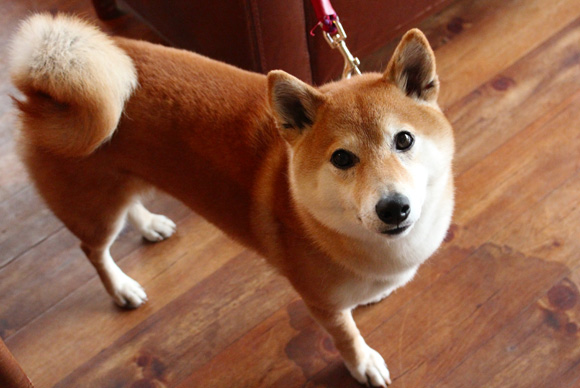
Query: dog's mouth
point(400, 229)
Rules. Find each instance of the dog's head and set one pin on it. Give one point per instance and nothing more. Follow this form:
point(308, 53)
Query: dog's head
point(365, 152)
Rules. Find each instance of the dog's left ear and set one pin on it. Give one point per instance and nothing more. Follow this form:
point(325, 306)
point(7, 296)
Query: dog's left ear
point(412, 67)
point(293, 102)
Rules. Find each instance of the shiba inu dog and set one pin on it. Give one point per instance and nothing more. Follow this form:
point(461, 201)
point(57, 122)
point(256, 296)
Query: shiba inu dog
point(345, 189)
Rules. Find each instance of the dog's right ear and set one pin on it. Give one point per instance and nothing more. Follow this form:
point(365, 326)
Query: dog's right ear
point(293, 102)
point(412, 67)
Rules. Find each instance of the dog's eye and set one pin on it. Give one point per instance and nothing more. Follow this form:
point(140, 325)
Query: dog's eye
point(343, 159)
point(404, 141)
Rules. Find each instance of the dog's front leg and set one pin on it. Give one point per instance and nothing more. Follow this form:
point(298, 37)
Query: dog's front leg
point(364, 363)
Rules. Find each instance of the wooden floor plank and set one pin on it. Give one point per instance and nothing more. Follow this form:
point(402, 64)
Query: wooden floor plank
point(172, 267)
point(549, 229)
point(500, 277)
point(451, 319)
point(303, 349)
point(13, 177)
point(59, 260)
point(27, 222)
point(518, 96)
point(292, 347)
point(518, 174)
point(543, 339)
point(293, 364)
point(195, 327)
point(510, 30)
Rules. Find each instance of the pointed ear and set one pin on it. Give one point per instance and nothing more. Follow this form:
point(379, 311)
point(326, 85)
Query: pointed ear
point(293, 102)
point(412, 67)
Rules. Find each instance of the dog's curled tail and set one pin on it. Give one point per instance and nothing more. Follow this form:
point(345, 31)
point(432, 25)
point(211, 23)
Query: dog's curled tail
point(75, 80)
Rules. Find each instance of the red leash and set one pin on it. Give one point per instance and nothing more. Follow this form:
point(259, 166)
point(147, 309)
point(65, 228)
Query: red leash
point(325, 15)
point(334, 35)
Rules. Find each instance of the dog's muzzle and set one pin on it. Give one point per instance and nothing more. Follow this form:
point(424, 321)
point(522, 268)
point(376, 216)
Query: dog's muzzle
point(393, 210)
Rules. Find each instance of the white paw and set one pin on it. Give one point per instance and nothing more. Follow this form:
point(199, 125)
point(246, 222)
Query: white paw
point(157, 228)
point(371, 369)
point(127, 293)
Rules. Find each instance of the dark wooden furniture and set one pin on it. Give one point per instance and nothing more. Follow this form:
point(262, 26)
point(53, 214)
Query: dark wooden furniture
point(11, 374)
point(263, 35)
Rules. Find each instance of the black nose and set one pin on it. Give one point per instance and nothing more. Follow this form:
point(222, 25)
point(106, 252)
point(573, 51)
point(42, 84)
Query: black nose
point(393, 209)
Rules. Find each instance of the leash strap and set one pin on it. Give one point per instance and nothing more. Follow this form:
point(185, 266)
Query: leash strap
point(334, 35)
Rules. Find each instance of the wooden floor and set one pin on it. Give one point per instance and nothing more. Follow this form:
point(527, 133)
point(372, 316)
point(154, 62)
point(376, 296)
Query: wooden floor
point(497, 306)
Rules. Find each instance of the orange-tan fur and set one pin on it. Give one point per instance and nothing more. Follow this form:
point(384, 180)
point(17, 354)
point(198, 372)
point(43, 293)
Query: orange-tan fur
point(235, 147)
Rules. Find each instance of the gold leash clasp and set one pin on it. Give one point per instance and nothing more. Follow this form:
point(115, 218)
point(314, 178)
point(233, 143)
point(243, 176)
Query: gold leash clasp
point(351, 63)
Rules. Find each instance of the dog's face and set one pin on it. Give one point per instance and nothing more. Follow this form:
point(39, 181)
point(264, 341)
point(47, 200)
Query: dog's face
point(365, 152)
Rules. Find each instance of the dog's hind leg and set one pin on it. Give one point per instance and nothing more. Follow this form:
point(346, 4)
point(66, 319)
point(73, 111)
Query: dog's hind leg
point(125, 291)
point(153, 227)
point(94, 207)
point(97, 236)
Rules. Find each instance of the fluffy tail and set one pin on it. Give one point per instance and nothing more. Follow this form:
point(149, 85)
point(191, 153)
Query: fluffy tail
point(75, 79)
